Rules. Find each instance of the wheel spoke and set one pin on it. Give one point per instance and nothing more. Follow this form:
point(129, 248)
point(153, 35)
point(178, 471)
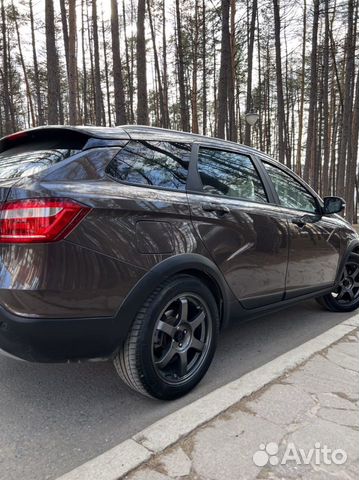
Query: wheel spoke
point(170, 330)
point(183, 363)
point(351, 294)
point(197, 344)
point(340, 294)
point(354, 257)
point(166, 358)
point(197, 321)
point(184, 310)
point(355, 273)
point(345, 272)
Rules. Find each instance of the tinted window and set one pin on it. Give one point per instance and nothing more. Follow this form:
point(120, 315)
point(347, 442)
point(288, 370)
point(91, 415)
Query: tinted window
point(230, 174)
point(25, 160)
point(159, 164)
point(291, 193)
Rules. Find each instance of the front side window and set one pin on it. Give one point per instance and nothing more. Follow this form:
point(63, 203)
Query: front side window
point(230, 174)
point(155, 164)
point(291, 193)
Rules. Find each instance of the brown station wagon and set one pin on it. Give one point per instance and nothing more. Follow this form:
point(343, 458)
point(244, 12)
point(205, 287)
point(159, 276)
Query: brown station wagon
point(139, 244)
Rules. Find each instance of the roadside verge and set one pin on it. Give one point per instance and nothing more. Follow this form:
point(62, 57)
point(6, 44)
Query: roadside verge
point(128, 455)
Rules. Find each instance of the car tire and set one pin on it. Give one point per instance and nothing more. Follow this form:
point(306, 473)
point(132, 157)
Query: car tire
point(172, 340)
point(345, 297)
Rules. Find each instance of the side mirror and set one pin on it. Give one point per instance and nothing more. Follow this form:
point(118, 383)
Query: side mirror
point(333, 205)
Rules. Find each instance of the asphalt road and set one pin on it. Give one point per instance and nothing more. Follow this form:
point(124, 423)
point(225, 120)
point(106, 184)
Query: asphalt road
point(55, 417)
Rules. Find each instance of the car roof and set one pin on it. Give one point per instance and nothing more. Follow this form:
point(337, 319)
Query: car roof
point(137, 132)
point(143, 132)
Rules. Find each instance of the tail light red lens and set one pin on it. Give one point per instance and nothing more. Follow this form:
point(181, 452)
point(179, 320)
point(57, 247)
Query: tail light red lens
point(39, 220)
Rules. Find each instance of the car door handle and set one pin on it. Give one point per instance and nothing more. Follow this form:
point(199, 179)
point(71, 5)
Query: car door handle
point(215, 207)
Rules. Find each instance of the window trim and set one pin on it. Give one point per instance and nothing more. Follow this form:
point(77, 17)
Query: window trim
point(297, 179)
point(152, 187)
point(197, 184)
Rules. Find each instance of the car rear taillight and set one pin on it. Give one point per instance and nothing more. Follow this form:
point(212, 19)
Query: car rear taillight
point(39, 220)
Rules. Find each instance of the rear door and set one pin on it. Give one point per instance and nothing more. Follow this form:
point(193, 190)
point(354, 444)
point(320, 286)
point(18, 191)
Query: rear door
point(314, 242)
point(234, 216)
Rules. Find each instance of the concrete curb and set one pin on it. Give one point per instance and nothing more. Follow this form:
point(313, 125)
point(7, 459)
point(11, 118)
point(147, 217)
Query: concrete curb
point(130, 454)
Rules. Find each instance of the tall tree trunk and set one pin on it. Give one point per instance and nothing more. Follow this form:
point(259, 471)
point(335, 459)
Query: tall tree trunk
point(91, 83)
point(52, 65)
point(204, 69)
point(40, 113)
point(222, 108)
point(302, 91)
point(97, 72)
point(72, 60)
point(215, 92)
point(353, 123)
point(181, 76)
point(261, 86)
point(326, 119)
point(12, 88)
point(166, 119)
point(5, 74)
point(268, 103)
point(129, 67)
point(194, 93)
point(65, 32)
point(280, 99)
point(120, 102)
point(311, 150)
point(157, 67)
point(22, 61)
point(348, 104)
point(333, 142)
point(232, 126)
point(249, 105)
point(142, 101)
point(107, 79)
point(84, 69)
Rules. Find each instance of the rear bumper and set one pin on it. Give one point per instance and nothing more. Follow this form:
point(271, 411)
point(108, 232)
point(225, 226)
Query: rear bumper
point(58, 340)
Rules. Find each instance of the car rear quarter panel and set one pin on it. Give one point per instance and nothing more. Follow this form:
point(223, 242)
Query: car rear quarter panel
point(128, 230)
point(62, 280)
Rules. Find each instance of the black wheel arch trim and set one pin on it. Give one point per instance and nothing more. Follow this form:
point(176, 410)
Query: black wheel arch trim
point(352, 245)
point(190, 263)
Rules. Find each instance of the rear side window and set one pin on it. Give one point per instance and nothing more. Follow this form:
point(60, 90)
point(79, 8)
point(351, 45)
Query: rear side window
point(230, 174)
point(26, 160)
point(154, 164)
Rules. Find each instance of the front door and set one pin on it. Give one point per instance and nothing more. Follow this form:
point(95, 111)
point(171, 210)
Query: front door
point(244, 234)
point(314, 244)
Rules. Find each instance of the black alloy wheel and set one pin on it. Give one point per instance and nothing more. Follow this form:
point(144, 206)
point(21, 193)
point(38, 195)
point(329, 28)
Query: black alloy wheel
point(172, 340)
point(345, 296)
point(181, 338)
point(347, 292)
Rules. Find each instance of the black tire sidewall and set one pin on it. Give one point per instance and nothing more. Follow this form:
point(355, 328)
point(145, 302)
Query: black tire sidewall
point(150, 379)
point(333, 305)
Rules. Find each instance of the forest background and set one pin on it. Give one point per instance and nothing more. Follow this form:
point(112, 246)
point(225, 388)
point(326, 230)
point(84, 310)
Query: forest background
point(198, 66)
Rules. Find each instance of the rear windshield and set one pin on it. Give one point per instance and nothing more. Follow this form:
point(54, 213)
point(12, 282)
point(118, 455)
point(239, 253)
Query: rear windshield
point(26, 160)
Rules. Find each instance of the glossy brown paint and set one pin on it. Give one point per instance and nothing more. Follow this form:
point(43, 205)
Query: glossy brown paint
point(314, 252)
point(62, 280)
point(249, 244)
point(252, 256)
